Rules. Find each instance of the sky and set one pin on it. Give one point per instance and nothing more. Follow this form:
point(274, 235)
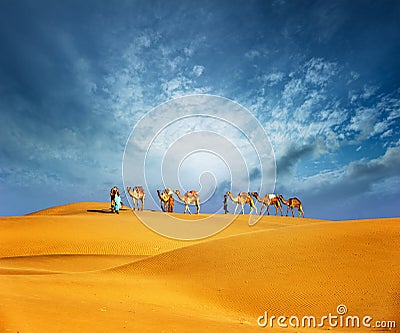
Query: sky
point(322, 78)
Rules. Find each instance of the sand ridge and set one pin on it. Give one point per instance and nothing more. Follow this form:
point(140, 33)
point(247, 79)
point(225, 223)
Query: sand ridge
point(95, 271)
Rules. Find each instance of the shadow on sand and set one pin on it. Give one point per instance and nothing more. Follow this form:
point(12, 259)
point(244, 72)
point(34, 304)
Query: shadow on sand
point(105, 210)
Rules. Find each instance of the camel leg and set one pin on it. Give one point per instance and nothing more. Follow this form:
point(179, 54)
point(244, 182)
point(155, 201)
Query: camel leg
point(235, 208)
point(287, 212)
point(143, 204)
point(262, 206)
point(292, 211)
point(268, 209)
point(243, 209)
point(300, 210)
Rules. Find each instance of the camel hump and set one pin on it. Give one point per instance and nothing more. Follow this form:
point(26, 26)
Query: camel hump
point(272, 195)
point(139, 189)
point(192, 193)
point(243, 194)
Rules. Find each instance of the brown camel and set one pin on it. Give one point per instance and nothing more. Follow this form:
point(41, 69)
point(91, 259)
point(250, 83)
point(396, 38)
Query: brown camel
point(164, 198)
point(243, 198)
point(190, 197)
point(292, 203)
point(269, 199)
point(113, 192)
point(137, 195)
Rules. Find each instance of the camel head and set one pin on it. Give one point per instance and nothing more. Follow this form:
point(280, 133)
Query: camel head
point(280, 197)
point(254, 194)
point(164, 195)
point(229, 193)
point(167, 192)
point(128, 188)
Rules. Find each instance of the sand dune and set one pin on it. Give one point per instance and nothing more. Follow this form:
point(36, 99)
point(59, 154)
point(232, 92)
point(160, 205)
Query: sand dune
point(77, 268)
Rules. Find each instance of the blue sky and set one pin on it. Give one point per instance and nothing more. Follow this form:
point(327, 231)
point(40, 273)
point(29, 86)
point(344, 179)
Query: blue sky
point(321, 77)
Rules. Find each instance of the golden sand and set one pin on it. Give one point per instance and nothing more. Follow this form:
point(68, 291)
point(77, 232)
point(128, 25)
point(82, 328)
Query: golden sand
point(78, 268)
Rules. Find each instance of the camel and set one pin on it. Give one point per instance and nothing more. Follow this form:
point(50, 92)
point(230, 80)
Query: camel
point(269, 199)
point(190, 197)
point(242, 199)
point(292, 203)
point(113, 192)
point(164, 198)
point(137, 195)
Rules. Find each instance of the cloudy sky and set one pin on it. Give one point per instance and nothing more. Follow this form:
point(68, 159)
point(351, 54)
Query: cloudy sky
point(321, 77)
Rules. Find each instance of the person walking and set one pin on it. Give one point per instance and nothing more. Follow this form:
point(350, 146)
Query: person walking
point(171, 203)
point(226, 204)
point(117, 202)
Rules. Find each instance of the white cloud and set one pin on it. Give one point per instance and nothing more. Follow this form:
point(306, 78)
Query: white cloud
point(363, 122)
point(375, 120)
point(294, 89)
point(319, 72)
point(354, 179)
point(368, 91)
point(380, 127)
point(386, 134)
point(143, 41)
point(198, 70)
point(306, 119)
point(251, 54)
point(273, 78)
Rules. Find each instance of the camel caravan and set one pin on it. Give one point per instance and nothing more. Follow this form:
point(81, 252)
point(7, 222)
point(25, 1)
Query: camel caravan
point(167, 201)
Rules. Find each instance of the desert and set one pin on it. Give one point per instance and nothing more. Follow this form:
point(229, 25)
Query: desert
point(78, 268)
